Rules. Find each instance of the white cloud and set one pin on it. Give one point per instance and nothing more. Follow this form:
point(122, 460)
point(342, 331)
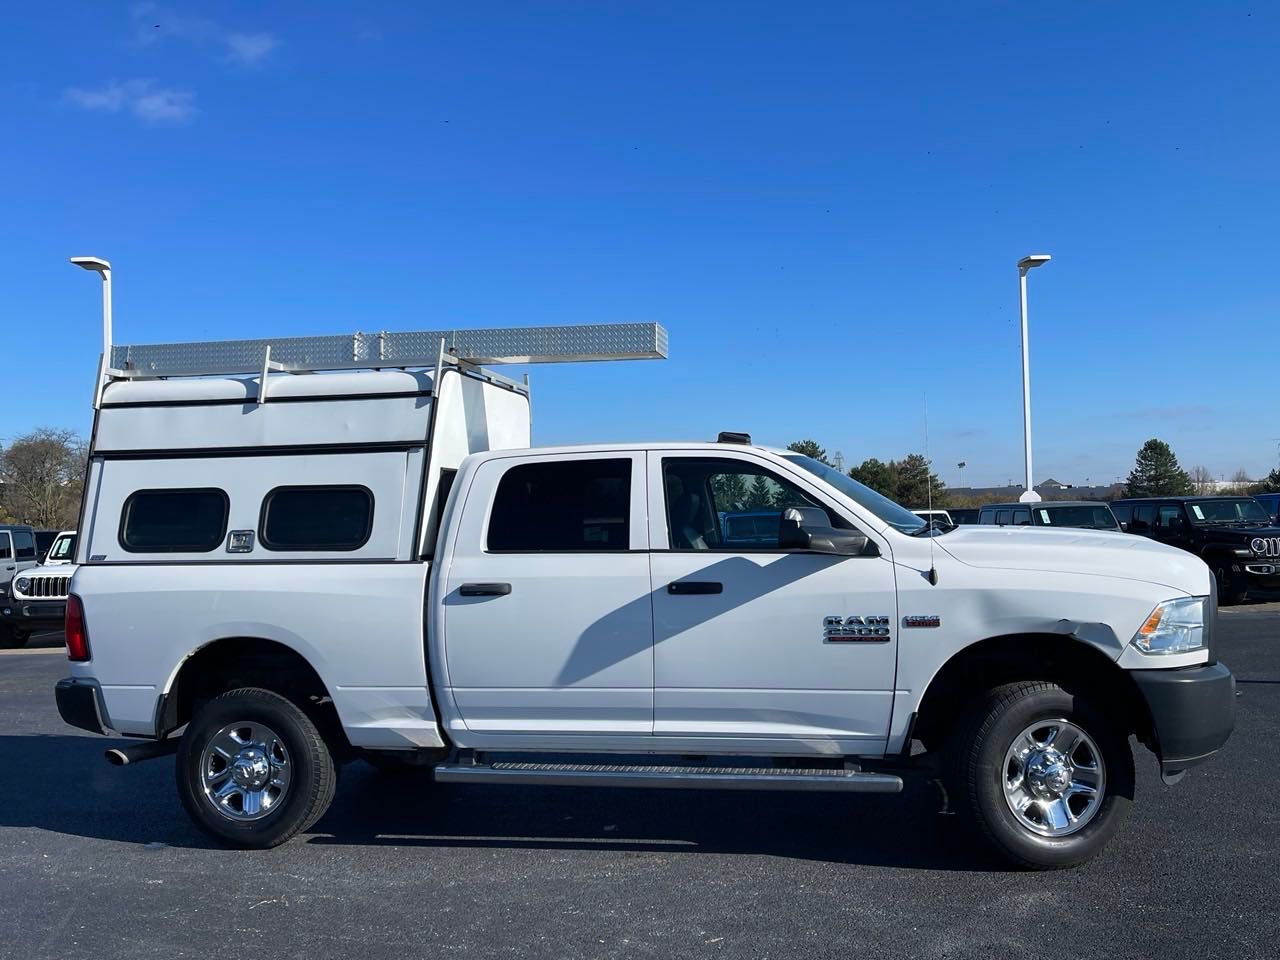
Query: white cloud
point(153, 23)
point(250, 49)
point(145, 99)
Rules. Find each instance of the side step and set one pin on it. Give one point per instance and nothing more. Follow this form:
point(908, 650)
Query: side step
point(691, 777)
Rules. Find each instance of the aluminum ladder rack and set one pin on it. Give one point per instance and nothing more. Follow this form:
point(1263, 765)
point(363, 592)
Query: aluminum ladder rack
point(464, 348)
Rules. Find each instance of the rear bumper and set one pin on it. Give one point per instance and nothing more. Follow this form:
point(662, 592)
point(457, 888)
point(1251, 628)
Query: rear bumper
point(1193, 711)
point(80, 704)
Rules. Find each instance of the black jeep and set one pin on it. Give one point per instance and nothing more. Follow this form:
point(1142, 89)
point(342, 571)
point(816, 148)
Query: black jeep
point(1235, 536)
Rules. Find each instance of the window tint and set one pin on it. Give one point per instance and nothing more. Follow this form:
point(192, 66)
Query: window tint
point(316, 518)
point(1144, 516)
point(1002, 517)
point(6, 552)
point(1123, 512)
point(174, 521)
point(573, 505)
point(1022, 517)
point(728, 504)
point(24, 545)
point(987, 516)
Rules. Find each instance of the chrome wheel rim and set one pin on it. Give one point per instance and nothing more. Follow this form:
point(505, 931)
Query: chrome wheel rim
point(1054, 778)
point(245, 771)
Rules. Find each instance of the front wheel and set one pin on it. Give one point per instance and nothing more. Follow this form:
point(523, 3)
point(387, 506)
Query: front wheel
point(9, 637)
point(253, 770)
point(1229, 590)
point(1046, 775)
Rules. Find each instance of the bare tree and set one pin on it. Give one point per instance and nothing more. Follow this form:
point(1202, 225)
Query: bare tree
point(1202, 479)
point(43, 473)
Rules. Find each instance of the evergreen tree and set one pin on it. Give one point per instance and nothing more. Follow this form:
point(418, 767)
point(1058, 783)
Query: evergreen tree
point(1156, 473)
point(1271, 482)
point(759, 494)
point(730, 491)
point(809, 448)
point(880, 477)
point(914, 482)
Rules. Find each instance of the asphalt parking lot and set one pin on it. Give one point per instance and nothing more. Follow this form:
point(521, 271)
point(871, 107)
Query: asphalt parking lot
point(102, 862)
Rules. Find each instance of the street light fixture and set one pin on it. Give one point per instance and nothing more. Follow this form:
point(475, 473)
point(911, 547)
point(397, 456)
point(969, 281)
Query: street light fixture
point(103, 269)
point(1027, 263)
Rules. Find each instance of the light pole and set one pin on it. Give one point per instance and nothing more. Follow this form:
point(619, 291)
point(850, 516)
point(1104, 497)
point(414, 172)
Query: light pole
point(1027, 263)
point(103, 269)
point(960, 466)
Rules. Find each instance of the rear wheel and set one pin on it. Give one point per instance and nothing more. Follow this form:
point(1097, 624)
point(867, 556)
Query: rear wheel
point(1046, 776)
point(253, 770)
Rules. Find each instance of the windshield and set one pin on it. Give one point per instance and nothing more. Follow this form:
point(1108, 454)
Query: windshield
point(897, 517)
point(1243, 510)
point(63, 548)
point(1087, 516)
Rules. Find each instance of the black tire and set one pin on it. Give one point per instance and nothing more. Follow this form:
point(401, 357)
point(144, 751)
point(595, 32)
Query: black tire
point(1230, 591)
point(313, 776)
point(11, 638)
point(976, 773)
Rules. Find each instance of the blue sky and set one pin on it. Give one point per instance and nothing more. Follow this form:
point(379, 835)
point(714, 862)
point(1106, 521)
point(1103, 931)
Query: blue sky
point(822, 202)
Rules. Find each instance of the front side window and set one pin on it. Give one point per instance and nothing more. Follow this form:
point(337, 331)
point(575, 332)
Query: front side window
point(174, 521)
point(332, 517)
point(569, 506)
point(728, 504)
point(898, 517)
point(24, 545)
point(6, 551)
point(1002, 517)
point(1169, 516)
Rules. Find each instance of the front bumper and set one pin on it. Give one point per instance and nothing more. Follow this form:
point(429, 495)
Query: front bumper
point(80, 704)
point(1192, 709)
point(33, 614)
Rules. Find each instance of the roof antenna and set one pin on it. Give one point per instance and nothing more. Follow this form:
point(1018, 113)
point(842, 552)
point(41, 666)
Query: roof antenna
point(928, 481)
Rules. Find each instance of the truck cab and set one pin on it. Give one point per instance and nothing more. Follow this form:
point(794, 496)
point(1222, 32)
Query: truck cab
point(279, 574)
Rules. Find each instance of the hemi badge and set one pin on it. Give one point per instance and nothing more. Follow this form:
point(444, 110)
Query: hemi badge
point(925, 620)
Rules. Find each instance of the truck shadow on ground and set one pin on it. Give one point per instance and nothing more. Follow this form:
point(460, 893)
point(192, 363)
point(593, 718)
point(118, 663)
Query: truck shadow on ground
point(69, 789)
point(407, 809)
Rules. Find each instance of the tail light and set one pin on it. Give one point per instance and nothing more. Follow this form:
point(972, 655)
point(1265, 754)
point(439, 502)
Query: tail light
point(76, 633)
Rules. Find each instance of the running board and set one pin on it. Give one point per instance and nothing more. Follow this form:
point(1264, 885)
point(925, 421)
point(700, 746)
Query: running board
point(693, 777)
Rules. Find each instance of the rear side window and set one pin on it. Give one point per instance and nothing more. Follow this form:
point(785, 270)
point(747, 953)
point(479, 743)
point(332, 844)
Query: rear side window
point(987, 516)
point(1002, 517)
point(1022, 517)
point(6, 551)
point(24, 545)
point(316, 518)
point(1144, 516)
point(572, 506)
point(174, 521)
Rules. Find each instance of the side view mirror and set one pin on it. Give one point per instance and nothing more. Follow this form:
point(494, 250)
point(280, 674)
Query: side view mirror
point(809, 528)
point(1124, 525)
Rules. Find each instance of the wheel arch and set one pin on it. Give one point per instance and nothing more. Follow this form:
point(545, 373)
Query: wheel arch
point(1075, 664)
point(246, 661)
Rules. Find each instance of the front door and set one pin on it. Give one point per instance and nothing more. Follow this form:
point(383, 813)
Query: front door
point(753, 642)
point(547, 625)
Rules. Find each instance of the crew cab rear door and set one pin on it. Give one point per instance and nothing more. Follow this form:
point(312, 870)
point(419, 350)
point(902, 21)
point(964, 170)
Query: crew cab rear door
point(753, 642)
point(547, 625)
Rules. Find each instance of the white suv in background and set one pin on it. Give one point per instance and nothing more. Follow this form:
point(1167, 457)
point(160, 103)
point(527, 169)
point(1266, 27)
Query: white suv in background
point(38, 597)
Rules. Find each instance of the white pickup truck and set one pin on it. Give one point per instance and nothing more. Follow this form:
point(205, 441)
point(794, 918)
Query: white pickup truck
point(280, 573)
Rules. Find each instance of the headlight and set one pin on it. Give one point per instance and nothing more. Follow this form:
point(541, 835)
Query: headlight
point(1175, 626)
point(21, 584)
